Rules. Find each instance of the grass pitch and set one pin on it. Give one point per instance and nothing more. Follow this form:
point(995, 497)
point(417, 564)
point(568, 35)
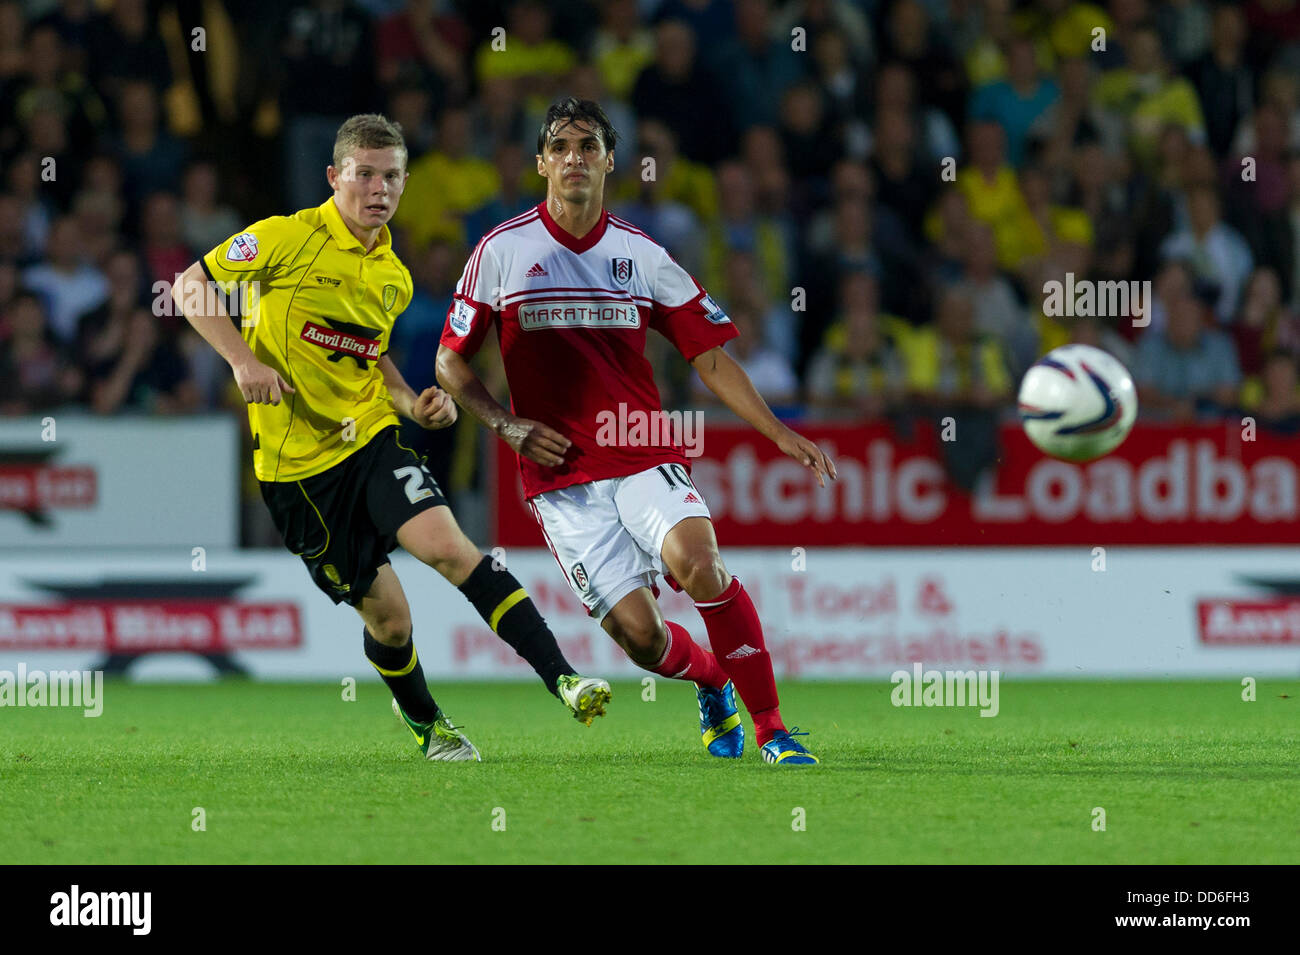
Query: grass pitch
point(1186, 773)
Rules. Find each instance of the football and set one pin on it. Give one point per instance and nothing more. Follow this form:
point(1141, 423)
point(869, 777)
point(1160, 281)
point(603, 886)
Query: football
point(1077, 403)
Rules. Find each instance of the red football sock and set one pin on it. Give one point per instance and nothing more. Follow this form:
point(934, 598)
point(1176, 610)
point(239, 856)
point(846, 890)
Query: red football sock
point(737, 640)
point(687, 660)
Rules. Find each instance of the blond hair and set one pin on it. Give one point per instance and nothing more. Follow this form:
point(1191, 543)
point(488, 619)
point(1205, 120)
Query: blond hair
point(368, 131)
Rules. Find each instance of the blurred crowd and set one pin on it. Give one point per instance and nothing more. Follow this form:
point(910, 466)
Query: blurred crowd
point(876, 191)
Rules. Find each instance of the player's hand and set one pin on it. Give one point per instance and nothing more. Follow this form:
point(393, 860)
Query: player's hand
point(261, 384)
point(807, 454)
point(535, 441)
point(434, 409)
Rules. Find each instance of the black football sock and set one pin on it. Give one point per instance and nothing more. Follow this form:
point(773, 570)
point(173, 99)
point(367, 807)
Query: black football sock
point(502, 601)
point(401, 670)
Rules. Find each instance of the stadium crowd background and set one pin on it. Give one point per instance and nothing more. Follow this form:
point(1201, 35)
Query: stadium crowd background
point(799, 156)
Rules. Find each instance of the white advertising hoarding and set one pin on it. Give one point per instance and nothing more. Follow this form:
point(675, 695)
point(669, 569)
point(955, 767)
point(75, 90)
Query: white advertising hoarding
point(828, 614)
point(76, 480)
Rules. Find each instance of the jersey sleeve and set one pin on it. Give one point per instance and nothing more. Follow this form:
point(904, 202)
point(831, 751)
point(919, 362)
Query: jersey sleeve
point(471, 312)
point(684, 313)
point(256, 253)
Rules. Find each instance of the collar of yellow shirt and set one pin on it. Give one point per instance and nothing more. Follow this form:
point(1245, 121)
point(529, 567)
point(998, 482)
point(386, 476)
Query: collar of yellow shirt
point(344, 237)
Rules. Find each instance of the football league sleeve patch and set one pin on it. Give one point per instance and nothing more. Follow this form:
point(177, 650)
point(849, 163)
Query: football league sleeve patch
point(687, 315)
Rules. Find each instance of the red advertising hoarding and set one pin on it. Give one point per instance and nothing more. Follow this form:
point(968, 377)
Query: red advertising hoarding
point(1204, 484)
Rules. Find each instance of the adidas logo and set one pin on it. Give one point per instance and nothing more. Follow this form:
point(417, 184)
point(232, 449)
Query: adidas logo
point(535, 271)
point(742, 651)
point(690, 499)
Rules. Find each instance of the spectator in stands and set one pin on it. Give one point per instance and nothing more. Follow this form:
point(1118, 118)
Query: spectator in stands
point(947, 229)
point(328, 45)
point(1142, 97)
point(762, 152)
point(446, 184)
point(906, 186)
point(424, 45)
point(134, 365)
point(993, 193)
point(665, 207)
point(151, 158)
point(909, 39)
point(622, 47)
point(125, 45)
point(1263, 324)
point(935, 135)
point(1019, 102)
point(853, 250)
point(1224, 80)
point(68, 285)
point(37, 372)
point(532, 57)
point(13, 244)
point(742, 281)
point(13, 63)
point(1272, 397)
point(950, 364)
point(677, 90)
point(844, 83)
point(768, 369)
point(50, 83)
point(756, 67)
point(858, 367)
point(998, 313)
point(47, 137)
point(1188, 368)
point(205, 221)
point(1219, 256)
point(513, 169)
point(165, 253)
point(739, 227)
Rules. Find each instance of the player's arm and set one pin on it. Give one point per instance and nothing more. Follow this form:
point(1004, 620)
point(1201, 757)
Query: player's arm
point(430, 409)
point(726, 379)
point(257, 382)
point(530, 439)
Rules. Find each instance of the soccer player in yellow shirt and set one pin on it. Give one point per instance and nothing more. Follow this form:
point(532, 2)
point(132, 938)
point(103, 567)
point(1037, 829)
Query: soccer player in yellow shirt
point(317, 293)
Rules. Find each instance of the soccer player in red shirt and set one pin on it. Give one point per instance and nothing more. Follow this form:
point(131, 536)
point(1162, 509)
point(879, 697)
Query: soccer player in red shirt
point(572, 292)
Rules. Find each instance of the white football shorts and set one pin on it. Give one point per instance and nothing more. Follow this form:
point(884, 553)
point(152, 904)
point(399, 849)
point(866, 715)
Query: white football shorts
point(608, 536)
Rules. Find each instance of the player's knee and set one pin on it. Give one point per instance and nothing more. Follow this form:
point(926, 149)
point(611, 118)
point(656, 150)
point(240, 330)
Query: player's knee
point(643, 641)
point(392, 630)
point(450, 556)
point(704, 576)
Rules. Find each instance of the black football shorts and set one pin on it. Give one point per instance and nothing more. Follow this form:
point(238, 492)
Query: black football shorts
point(343, 522)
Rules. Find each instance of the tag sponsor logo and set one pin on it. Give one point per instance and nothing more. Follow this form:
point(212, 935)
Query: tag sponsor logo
point(539, 315)
point(1232, 623)
point(340, 341)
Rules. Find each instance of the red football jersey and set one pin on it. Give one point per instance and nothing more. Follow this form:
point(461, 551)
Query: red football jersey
point(571, 317)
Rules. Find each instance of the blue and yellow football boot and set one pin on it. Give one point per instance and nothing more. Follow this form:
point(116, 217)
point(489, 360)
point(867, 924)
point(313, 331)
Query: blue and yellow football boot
point(784, 750)
point(720, 725)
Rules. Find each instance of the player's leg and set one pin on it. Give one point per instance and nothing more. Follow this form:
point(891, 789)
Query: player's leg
point(690, 554)
point(406, 504)
point(669, 518)
point(434, 537)
point(666, 648)
point(323, 520)
point(391, 651)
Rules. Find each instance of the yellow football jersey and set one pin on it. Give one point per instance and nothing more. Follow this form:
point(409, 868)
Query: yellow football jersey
point(318, 309)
